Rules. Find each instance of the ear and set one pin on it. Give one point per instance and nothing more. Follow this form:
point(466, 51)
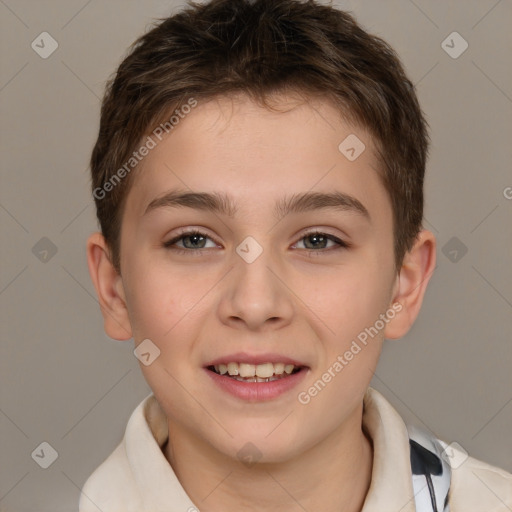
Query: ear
point(109, 288)
point(411, 284)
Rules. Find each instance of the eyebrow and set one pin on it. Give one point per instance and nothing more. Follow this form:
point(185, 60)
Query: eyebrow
point(221, 203)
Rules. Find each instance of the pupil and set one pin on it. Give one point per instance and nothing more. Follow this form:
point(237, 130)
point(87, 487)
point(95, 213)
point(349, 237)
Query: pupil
point(195, 239)
point(317, 238)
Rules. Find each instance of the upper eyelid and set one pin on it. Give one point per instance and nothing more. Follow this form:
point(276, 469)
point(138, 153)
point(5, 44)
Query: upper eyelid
point(188, 232)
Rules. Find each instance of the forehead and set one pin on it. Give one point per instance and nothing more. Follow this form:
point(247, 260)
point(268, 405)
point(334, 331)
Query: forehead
point(233, 146)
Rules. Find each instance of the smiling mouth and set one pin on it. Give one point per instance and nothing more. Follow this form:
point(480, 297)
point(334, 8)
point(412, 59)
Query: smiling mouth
point(266, 372)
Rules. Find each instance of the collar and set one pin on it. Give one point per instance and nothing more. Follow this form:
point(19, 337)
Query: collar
point(391, 488)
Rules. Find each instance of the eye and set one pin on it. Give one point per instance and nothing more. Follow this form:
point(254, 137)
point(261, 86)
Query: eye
point(190, 241)
point(193, 240)
point(316, 240)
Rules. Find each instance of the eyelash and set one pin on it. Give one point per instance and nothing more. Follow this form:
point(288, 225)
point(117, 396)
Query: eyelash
point(197, 252)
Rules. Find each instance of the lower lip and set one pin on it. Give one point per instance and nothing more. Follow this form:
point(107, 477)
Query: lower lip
point(257, 391)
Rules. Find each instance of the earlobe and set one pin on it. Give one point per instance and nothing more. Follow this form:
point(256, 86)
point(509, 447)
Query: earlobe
point(109, 289)
point(417, 268)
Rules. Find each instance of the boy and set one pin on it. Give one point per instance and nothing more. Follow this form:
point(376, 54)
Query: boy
point(258, 179)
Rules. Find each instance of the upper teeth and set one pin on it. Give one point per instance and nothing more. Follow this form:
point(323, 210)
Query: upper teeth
point(263, 371)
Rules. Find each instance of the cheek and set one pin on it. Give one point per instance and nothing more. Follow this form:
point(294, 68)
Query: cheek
point(164, 309)
point(351, 299)
point(155, 308)
point(168, 307)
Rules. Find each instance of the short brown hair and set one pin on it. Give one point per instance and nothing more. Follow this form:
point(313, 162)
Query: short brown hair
point(263, 47)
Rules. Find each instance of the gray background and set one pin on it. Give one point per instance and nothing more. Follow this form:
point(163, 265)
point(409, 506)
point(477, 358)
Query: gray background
point(64, 382)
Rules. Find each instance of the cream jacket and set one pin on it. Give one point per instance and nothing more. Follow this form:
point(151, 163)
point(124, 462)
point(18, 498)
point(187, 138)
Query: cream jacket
point(136, 477)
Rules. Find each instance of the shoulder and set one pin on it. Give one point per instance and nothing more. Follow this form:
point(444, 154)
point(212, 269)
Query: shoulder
point(137, 477)
point(111, 487)
point(466, 483)
point(478, 486)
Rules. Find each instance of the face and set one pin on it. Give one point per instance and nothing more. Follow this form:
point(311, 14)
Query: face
point(253, 280)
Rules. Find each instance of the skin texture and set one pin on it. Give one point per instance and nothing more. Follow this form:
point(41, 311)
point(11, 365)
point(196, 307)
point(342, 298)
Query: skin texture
point(308, 305)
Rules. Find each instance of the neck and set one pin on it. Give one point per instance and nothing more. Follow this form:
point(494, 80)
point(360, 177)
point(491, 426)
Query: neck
point(331, 476)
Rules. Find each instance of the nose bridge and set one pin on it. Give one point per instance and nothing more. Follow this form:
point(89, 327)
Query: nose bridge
point(254, 294)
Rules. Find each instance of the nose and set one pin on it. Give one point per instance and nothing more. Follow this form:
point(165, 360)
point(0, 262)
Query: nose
point(255, 296)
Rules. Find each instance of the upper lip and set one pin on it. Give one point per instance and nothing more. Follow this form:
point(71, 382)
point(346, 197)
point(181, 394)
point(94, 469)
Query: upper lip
point(243, 357)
